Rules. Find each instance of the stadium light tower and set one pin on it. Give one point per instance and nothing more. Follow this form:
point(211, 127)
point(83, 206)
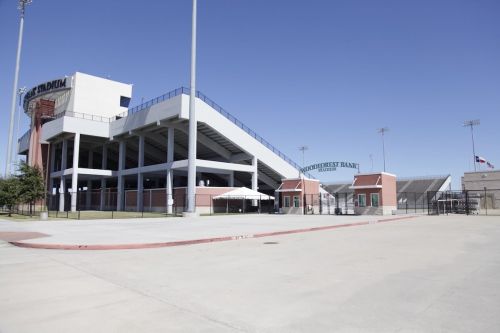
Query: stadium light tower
point(303, 150)
point(193, 128)
point(20, 93)
point(382, 132)
point(22, 7)
point(471, 124)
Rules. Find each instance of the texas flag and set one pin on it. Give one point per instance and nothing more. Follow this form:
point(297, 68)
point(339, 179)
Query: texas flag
point(480, 159)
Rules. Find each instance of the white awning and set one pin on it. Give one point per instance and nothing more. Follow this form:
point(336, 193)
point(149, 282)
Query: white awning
point(244, 193)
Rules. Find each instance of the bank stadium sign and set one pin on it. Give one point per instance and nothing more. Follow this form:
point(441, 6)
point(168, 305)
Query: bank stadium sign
point(45, 88)
point(330, 166)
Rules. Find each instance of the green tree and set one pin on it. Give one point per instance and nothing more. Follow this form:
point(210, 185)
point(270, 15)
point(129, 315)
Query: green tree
point(10, 193)
point(31, 183)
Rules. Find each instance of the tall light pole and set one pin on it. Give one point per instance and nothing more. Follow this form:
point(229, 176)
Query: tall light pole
point(371, 159)
point(471, 124)
point(22, 8)
point(303, 150)
point(20, 93)
point(193, 128)
point(382, 132)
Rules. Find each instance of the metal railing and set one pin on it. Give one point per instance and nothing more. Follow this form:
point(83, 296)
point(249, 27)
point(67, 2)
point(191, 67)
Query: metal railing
point(218, 108)
point(185, 91)
point(151, 102)
point(86, 116)
point(248, 130)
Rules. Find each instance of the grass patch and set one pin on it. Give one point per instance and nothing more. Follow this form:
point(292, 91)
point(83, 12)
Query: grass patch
point(97, 215)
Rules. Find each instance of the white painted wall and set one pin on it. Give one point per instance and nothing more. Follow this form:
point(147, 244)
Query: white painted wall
point(161, 111)
point(97, 96)
point(73, 125)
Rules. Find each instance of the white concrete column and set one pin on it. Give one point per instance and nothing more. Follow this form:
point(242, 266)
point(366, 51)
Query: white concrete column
point(121, 166)
point(64, 155)
point(255, 179)
point(230, 182)
point(140, 175)
point(88, 195)
point(74, 175)
point(170, 176)
point(62, 185)
point(52, 154)
point(61, 194)
point(104, 164)
point(255, 174)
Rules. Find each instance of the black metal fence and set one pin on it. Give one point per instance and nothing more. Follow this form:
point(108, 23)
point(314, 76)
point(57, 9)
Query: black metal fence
point(469, 202)
point(412, 202)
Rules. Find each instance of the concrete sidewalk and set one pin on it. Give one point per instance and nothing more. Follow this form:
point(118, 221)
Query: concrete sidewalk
point(160, 232)
point(428, 274)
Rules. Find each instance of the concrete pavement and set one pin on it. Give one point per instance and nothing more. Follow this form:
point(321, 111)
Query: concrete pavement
point(428, 274)
point(158, 232)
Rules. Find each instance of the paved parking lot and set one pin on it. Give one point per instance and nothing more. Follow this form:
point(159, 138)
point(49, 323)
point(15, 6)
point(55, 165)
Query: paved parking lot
point(427, 274)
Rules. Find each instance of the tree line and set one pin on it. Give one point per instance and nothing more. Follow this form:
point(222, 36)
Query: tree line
point(26, 187)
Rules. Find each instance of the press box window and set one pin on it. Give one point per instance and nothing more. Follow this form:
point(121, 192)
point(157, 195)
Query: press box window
point(374, 199)
point(296, 201)
point(124, 101)
point(287, 202)
point(362, 200)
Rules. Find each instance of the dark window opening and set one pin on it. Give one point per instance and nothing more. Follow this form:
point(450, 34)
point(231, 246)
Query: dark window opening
point(124, 101)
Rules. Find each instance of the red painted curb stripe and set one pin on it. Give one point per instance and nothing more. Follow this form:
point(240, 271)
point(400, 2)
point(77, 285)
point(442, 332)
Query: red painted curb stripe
point(195, 241)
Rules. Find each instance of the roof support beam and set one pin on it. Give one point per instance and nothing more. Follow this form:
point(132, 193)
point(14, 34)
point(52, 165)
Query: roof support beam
point(206, 141)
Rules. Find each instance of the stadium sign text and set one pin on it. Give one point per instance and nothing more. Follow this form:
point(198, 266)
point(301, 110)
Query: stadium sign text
point(330, 166)
point(44, 88)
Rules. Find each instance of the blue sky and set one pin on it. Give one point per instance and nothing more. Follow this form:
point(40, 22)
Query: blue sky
point(325, 74)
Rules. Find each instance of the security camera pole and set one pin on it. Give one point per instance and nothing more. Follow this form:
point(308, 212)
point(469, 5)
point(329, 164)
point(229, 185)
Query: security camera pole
point(193, 128)
point(22, 8)
point(471, 124)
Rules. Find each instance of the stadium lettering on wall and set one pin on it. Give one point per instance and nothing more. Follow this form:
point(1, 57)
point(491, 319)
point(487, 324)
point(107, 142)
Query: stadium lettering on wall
point(43, 88)
point(330, 166)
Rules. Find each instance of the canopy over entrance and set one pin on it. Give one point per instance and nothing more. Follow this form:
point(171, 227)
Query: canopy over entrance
point(244, 193)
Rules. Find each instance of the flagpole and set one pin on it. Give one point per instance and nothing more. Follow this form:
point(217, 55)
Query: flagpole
point(471, 124)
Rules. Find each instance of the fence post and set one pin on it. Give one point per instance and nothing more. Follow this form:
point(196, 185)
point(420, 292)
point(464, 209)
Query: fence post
point(304, 204)
point(415, 201)
point(211, 205)
point(467, 211)
point(485, 201)
point(406, 202)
